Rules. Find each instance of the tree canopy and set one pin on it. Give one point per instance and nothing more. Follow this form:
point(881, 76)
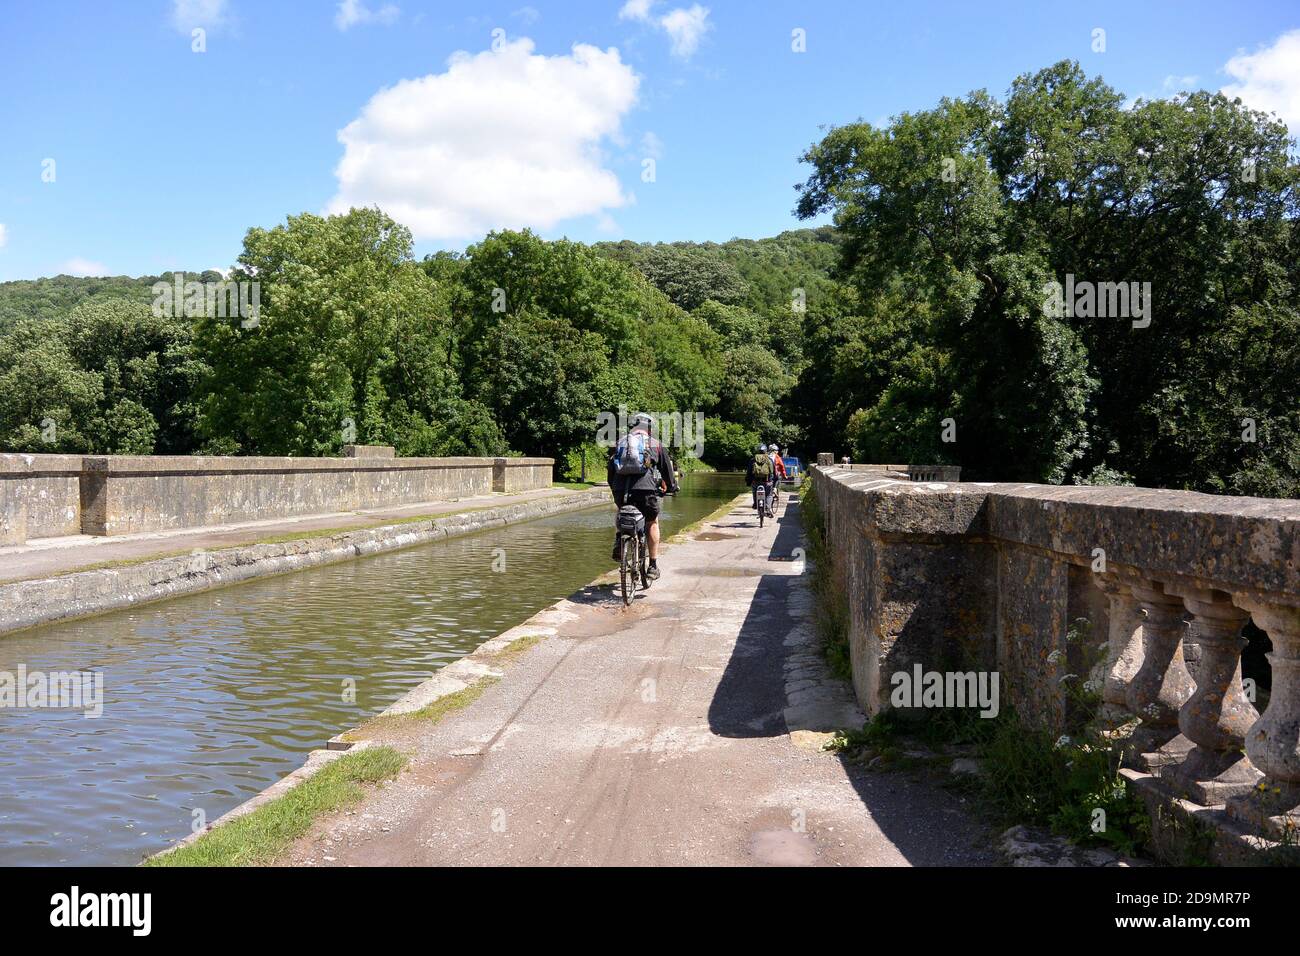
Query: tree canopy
point(929, 323)
point(955, 220)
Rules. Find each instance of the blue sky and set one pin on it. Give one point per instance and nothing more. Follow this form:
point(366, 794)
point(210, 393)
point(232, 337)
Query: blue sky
point(164, 156)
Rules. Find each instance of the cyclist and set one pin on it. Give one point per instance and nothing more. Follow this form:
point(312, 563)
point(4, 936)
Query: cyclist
point(778, 464)
point(640, 473)
point(760, 473)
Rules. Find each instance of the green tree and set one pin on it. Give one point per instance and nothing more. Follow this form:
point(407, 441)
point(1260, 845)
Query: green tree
point(727, 445)
point(337, 296)
point(974, 207)
point(109, 378)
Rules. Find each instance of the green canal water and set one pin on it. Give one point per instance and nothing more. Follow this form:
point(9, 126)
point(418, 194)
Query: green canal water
point(209, 698)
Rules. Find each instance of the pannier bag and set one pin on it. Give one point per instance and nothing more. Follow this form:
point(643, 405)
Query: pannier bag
point(630, 520)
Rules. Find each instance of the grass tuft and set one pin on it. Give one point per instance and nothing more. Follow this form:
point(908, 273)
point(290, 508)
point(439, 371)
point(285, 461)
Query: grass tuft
point(443, 706)
point(257, 838)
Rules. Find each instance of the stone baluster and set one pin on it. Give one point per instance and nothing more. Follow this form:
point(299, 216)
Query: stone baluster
point(1218, 715)
point(1162, 685)
point(1273, 743)
point(1123, 646)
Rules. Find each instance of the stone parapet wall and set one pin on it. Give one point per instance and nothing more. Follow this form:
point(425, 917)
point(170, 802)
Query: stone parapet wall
point(522, 474)
point(369, 451)
point(909, 472)
point(40, 497)
point(1005, 566)
point(51, 495)
point(1145, 592)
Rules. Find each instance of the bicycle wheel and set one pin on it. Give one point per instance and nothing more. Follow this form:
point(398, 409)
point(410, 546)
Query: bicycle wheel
point(627, 569)
point(762, 507)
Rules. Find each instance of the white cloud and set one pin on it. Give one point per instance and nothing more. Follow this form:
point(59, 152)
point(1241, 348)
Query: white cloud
point(529, 15)
point(1269, 78)
point(636, 10)
point(652, 145)
point(353, 12)
point(1179, 84)
point(209, 14)
point(77, 266)
point(685, 26)
point(4, 235)
point(500, 140)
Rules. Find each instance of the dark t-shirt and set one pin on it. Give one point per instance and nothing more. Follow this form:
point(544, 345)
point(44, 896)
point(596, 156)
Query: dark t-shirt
point(619, 485)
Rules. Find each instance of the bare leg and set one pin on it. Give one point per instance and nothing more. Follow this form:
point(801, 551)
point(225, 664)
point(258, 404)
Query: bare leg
point(652, 535)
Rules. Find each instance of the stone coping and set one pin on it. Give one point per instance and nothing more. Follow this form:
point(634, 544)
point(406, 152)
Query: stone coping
point(1220, 541)
point(182, 464)
point(25, 465)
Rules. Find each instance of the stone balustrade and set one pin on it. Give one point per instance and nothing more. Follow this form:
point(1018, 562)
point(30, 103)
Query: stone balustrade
point(956, 575)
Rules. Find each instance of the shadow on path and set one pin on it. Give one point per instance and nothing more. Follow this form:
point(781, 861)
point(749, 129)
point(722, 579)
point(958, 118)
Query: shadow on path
point(926, 824)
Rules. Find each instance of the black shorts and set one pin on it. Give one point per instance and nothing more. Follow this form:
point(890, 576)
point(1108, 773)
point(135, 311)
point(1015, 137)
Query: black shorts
point(648, 503)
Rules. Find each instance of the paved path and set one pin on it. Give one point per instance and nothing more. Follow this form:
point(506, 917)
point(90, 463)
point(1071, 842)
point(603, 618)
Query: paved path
point(658, 734)
point(46, 557)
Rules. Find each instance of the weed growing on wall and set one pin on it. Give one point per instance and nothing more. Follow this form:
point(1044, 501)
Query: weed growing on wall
point(830, 603)
point(1069, 781)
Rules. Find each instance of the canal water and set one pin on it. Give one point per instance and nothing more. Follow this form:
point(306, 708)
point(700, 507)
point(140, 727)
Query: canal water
point(209, 698)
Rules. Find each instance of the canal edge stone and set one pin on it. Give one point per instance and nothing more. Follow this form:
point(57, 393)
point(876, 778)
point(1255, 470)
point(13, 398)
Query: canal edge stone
point(28, 603)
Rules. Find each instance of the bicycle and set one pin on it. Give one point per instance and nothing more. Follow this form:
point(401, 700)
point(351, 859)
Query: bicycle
point(634, 552)
point(775, 501)
point(762, 503)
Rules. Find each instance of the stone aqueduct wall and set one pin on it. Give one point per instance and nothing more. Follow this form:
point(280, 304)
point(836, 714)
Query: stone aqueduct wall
point(973, 576)
point(50, 495)
point(40, 496)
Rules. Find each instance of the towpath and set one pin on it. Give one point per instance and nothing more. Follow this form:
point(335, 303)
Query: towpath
point(682, 730)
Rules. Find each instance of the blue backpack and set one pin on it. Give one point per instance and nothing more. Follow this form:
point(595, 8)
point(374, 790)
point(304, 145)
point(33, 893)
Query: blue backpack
point(632, 456)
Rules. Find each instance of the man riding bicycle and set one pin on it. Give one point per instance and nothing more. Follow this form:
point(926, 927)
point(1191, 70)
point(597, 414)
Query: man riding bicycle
point(640, 473)
point(761, 474)
point(778, 464)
